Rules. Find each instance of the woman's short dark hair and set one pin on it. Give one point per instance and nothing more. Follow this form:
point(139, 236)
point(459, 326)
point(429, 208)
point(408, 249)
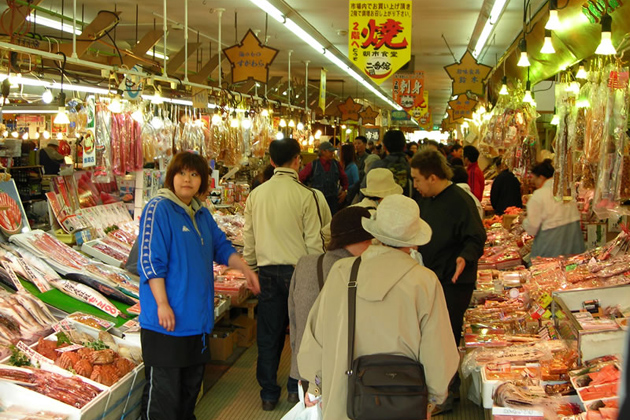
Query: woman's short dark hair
point(545, 168)
point(431, 162)
point(284, 151)
point(192, 162)
point(347, 154)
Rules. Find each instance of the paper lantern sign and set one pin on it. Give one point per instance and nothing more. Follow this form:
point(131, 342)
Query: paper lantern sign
point(462, 107)
point(250, 59)
point(350, 110)
point(380, 37)
point(368, 115)
point(468, 75)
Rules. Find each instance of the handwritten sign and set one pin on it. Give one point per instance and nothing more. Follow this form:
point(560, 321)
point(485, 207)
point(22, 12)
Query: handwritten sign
point(200, 97)
point(368, 115)
point(462, 107)
point(468, 75)
point(34, 357)
point(379, 39)
point(13, 277)
point(250, 59)
point(408, 92)
point(349, 110)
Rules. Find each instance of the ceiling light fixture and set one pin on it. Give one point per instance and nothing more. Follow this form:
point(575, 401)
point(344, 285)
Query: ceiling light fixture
point(581, 74)
point(283, 122)
point(47, 96)
point(553, 23)
point(524, 60)
point(528, 98)
point(279, 135)
point(495, 14)
point(246, 123)
point(62, 117)
point(54, 24)
point(555, 120)
point(504, 88)
point(291, 123)
point(300, 126)
point(265, 113)
point(547, 47)
point(605, 46)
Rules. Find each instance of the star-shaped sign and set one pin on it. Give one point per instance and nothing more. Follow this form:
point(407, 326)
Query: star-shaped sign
point(468, 75)
point(369, 115)
point(452, 119)
point(350, 110)
point(250, 59)
point(462, 107)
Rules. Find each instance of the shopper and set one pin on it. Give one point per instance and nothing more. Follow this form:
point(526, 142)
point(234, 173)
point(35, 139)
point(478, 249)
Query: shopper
point(412, 147)
point(460, 178)
point(475, 174)
point(348, 163)
point(380, 184)
point(362, 153)
point(400, 309)
point(554, 224)
point(396, 160)
point(457, 242)
point(180, 240)
point(50, 158)
point(506, 189)
point(326, 175)
point(455, 153)
point(348, 239)
point(283, 222)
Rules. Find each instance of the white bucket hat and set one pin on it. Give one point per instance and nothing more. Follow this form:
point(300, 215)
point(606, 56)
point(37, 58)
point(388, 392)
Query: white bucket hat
point(397, 223)
point(380, 183)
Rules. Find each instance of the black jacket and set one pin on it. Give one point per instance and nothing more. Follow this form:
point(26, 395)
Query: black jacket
point(505, 192)
point(457, 232)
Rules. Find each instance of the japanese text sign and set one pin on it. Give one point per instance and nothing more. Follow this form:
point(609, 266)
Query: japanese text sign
point(380, 37)
point(408, 92)
point(368, 115)
point(425, 122)
point(468, 75)
point(462, 107)
point(250, 59)
point(349, 110)
point(322, 90)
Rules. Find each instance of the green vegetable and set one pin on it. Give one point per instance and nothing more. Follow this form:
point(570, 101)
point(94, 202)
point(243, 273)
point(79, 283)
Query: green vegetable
point(62, 338)
point(18, 358)
point(97, 345)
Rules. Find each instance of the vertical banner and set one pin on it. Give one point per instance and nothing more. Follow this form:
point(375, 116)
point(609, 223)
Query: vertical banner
point(380, 37)
point(322, 90)
point(89, 148)
point(408, 92)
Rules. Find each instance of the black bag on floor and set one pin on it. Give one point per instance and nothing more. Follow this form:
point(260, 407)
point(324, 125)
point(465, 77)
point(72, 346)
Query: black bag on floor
point(382, 386)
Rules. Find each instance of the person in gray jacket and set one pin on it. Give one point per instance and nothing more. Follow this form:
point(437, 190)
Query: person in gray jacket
point(348, 238)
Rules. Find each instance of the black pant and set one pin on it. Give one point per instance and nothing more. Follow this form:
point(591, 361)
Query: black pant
point(457, 300)
point(171, 393)
point(273, 319)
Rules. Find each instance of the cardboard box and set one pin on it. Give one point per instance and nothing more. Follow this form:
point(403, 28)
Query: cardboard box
point(221, 346)
point(245, 330)
point(227, 331)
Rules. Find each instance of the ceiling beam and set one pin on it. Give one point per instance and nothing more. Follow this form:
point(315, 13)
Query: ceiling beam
point(147, 42)
point(90, 33)
point(202, 76)
point(176, 62)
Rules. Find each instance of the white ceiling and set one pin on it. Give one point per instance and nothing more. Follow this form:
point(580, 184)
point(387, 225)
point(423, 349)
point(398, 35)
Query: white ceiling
point(455, 19)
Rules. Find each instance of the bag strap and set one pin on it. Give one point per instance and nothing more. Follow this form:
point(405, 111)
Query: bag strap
point(352, 303)
point(320, 271)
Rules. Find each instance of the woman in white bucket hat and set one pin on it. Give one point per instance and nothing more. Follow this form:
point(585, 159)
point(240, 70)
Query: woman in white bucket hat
point(400, 309)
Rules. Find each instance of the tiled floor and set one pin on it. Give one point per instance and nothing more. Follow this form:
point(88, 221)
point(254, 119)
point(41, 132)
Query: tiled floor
point(236, 395)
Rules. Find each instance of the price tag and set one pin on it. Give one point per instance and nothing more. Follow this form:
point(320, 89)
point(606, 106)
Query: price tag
point(69, 348)
point(36, 279)
point(13, 277)
point(545, 300)
point(570, 267)
point(35, 357)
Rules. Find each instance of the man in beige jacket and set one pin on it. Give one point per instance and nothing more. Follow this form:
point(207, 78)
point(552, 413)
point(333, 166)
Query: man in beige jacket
point(400, 310)
point(283, 222)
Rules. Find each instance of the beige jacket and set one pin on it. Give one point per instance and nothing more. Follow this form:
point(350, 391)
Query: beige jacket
point(283, 221)
point(400, 310)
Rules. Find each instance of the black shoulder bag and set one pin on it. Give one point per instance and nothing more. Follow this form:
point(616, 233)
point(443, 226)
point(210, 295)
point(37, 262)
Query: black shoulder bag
point(382, 386)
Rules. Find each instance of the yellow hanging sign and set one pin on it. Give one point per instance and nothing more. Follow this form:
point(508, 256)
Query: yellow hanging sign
point(380, 37)
point(322, 90)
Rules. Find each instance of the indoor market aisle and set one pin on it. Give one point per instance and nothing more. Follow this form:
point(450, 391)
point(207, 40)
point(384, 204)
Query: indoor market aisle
point(236, 395)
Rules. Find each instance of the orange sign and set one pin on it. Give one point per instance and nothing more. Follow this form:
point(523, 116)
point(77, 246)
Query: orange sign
point(250, 59)
point(350, 110)
point(368, 115)
point(425, 122)
point(408, 92)
point(468, 75)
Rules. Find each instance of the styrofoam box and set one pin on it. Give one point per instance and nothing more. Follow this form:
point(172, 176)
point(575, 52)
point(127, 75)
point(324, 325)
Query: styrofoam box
point(489, 386)
point(88, 249)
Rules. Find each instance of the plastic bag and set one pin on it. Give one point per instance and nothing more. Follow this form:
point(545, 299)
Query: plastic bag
point(301, 412)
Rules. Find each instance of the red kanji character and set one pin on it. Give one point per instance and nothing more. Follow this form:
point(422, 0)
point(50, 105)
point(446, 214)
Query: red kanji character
point(377, 36)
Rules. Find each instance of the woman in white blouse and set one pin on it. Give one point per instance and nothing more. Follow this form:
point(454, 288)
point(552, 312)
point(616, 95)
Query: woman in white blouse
point(554, 224)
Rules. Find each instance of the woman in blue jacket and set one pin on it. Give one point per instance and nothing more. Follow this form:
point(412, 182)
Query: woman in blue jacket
point(179, 242)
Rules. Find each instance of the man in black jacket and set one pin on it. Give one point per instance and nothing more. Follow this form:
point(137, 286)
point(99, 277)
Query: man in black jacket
point(457, 241)
point(396, 160)
point(506, 190)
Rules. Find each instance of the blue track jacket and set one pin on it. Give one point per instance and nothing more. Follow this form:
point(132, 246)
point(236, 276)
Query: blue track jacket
point(179, 244)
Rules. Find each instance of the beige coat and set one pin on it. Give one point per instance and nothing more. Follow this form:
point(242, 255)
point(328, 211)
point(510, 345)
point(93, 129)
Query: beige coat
point(400, 310)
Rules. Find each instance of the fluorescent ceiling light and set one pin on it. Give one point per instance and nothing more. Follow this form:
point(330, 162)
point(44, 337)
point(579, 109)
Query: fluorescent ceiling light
point(52, 23)
point(9, 110)
point(495, 13)
point(270, 9)
point(157, 55)
point(80, 88)
point(293, 27)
